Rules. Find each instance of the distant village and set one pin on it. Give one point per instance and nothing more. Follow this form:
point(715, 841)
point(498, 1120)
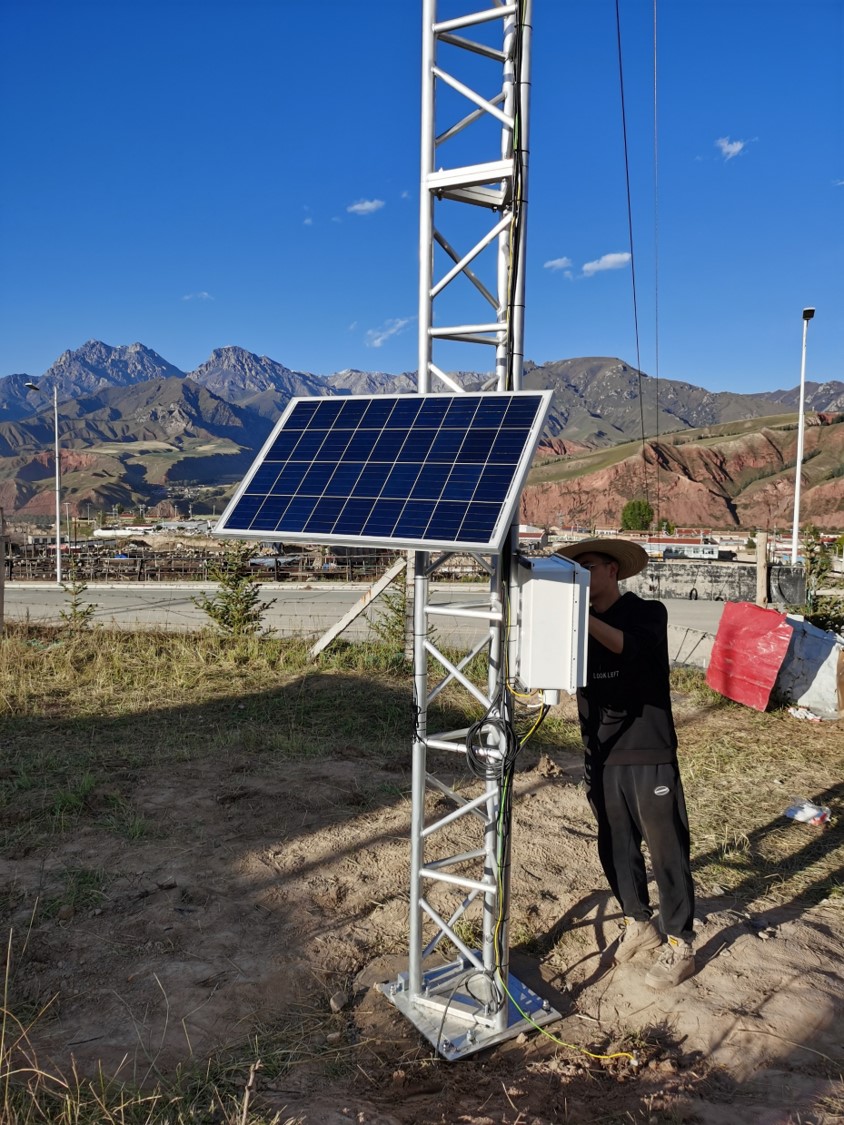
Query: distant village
point(126, 547)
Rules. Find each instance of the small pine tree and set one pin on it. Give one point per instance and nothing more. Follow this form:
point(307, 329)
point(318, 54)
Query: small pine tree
point(78, 614)
point(816, 561)
point(389, 625)
point(825, 612)
point(236, 607)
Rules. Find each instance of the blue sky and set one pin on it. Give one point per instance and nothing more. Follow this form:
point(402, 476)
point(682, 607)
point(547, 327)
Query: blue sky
point(193, 174)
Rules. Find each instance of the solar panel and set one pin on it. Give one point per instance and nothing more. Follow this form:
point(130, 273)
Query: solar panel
point(407, 471)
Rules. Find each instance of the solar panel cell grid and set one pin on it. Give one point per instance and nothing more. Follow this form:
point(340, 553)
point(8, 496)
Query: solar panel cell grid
point(405, 470)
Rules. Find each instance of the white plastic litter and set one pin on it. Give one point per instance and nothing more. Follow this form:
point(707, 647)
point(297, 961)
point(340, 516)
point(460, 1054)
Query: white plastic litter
point(807, 813)
point(804, 713)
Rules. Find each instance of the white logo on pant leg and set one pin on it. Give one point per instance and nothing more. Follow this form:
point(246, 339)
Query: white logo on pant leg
point(661, 790)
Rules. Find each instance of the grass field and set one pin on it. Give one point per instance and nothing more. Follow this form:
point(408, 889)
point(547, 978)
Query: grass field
point(87, 715)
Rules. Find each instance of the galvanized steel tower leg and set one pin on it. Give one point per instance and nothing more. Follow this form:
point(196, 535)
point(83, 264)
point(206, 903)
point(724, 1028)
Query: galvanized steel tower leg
point(420, 766)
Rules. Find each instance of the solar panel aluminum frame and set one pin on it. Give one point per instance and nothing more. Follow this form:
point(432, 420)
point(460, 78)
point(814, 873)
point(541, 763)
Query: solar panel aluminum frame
point(231, 527)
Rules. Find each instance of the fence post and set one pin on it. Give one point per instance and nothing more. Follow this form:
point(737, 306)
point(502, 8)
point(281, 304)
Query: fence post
point(762, 568)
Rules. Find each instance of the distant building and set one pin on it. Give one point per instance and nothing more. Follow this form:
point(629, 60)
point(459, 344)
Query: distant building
point(532, 538)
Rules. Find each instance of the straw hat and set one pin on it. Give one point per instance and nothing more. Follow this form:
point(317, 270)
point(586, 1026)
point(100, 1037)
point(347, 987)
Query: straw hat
point(631, 558)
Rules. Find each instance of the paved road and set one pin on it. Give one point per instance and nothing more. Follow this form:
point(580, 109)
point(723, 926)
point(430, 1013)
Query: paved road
point(298, 610)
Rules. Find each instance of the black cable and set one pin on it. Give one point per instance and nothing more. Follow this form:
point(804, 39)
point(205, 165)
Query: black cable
point(498, 997)
point(656, 267)
point(491, 742)
point(516, 202)
point(630, 237)
point(416, 711)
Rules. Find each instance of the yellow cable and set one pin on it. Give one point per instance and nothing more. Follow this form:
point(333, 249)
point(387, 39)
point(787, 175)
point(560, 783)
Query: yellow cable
point(536, 724)
point(498, 924)
point(522, 694)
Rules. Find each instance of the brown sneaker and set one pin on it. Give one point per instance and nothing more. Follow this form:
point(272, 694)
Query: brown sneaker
point(637, 937)
point(675, 964)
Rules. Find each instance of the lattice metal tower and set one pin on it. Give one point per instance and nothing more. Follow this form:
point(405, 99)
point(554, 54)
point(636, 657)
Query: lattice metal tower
point(474, 162)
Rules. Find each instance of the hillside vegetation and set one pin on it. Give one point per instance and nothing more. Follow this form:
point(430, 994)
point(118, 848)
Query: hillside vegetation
point(738, 474)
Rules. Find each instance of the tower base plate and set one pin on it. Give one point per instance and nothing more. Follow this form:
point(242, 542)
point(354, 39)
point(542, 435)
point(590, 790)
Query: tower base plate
point(456, 1009)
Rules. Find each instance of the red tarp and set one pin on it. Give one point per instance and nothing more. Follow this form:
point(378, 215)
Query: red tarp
point(748, 652)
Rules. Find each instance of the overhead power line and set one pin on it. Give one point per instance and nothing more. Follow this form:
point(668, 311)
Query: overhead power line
point(631, 241)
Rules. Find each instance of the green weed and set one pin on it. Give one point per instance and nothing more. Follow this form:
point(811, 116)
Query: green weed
point(82, 889)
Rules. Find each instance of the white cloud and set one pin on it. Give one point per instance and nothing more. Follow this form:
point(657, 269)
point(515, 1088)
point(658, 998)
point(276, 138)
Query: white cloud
point(557, 264)
point(365, 206)
point(308, 222)
point(838, 183)
point(405, 195)
point(201, 296)
point(605, 262)
point(353, 326)
point(729, 148)
point(375, 337)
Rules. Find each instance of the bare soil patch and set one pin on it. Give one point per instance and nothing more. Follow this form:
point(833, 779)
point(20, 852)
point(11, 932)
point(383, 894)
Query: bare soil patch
point(247, 888)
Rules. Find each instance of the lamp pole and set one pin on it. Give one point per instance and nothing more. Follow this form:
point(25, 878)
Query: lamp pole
point(34, 387)
point(807, 316)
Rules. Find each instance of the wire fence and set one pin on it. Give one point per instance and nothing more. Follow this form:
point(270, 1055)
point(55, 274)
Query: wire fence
point(95, 563)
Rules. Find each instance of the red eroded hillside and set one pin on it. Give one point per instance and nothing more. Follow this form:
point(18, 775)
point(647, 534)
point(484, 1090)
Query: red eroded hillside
point(29, 488)
point(558, 447)
point(733, 480)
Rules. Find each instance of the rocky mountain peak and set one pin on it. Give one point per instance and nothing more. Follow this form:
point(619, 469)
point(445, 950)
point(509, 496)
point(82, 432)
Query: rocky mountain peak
point(233, 353)
point(238, 375)
point(95, 366)
point(237, 365)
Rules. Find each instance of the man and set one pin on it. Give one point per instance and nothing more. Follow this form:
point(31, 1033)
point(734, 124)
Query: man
point(632, 777)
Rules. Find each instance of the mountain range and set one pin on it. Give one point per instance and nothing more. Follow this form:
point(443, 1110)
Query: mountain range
point(133, 427)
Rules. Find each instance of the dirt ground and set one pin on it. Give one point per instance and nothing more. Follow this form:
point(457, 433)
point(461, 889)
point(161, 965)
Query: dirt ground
point(259, 890)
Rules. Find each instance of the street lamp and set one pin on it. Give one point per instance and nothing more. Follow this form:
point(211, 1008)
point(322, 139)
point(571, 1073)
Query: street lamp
point(807, 316)
point(34, 387)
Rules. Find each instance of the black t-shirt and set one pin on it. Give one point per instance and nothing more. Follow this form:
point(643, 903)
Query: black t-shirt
point(625, 709)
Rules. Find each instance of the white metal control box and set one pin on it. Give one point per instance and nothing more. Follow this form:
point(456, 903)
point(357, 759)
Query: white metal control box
point(548, 628)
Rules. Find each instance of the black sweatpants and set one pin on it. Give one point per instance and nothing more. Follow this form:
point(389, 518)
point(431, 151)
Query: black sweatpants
point(644, 802)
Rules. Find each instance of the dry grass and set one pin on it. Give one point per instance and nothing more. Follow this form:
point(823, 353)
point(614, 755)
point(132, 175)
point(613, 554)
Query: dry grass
point(219, 1092)
point(84, 711)
point(741, 770)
